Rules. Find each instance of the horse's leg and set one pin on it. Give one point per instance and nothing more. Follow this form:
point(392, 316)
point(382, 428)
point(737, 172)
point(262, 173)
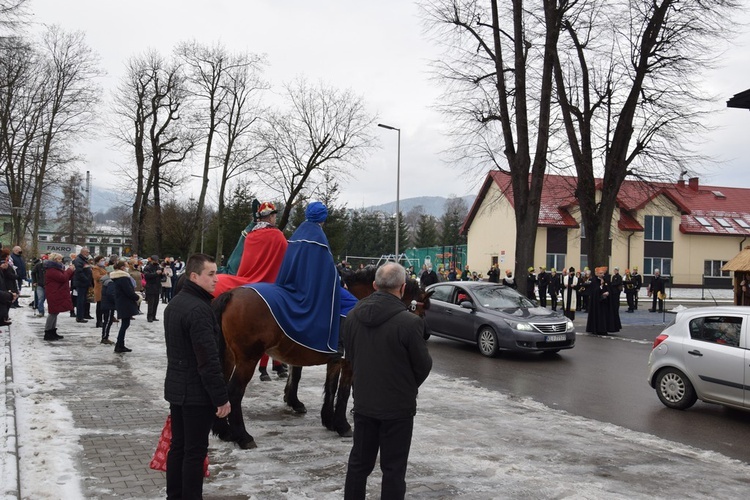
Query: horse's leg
point(290, 391)
point(340, 424)
point(232, 428)
point(333, 368)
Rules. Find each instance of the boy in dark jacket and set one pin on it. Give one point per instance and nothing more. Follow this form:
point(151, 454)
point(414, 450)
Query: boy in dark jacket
point(194, 384)
point(386, 347)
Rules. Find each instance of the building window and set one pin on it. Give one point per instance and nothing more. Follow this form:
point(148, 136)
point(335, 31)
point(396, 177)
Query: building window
point(116, 240)
point(713, 268)
point(663, 265)
point(658, 228)
point(42, 237)
point(556, 260)
point(584, 262)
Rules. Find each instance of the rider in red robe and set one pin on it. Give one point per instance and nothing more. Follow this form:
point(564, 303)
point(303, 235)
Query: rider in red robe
point(264, 249)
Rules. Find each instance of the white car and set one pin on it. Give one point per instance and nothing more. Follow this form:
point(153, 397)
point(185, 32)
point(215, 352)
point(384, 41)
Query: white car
point(703, 354)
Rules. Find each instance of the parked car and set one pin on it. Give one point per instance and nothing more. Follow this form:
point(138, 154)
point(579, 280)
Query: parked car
point(703, 354)
point(495, 317)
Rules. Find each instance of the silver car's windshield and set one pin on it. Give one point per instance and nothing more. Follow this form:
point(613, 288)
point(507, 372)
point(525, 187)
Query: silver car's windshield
point(496, 297)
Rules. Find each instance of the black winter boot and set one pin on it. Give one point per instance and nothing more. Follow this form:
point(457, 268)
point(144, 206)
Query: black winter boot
point(51, 335)
point(121, 348)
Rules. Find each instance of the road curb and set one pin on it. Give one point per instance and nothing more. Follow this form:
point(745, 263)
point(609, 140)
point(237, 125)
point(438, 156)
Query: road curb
point(10, 461)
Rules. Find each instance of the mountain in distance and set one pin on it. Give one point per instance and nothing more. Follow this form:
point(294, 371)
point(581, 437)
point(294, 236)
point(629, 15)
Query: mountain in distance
point(102, 199)
point(433, 205)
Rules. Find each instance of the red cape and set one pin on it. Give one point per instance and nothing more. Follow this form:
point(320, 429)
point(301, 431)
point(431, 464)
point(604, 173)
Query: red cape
point(262, 254)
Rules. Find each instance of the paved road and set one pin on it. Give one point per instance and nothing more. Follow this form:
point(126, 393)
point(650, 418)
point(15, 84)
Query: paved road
point(603, 378)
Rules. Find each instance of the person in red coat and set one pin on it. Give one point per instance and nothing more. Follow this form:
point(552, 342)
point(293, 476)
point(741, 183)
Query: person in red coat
point(57, 288)
point(264, 249)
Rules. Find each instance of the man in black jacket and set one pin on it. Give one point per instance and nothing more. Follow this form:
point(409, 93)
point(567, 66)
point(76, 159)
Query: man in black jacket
point(82, 281)
point(152, 272)
point(194, 385)
point(386, 347)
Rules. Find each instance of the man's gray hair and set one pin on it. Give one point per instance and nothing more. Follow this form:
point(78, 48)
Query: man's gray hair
point(390, 276)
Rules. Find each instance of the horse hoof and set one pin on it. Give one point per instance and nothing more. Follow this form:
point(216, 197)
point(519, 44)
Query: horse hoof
point(247, 444)
point(300, 408)
point(346, 433)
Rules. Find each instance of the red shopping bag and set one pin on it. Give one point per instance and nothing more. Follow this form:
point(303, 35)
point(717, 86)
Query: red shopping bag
point(159, 462)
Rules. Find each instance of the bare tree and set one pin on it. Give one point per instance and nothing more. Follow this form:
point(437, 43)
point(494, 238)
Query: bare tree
point(226, 91)
point(12, 15)
point(69, 98)
point(21, 85)
point(626, 77)
point(148, 105)
point(498, 74)
point(324, 131)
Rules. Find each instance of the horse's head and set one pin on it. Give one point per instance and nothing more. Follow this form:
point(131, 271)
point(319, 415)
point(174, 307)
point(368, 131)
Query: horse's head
point(416, 299)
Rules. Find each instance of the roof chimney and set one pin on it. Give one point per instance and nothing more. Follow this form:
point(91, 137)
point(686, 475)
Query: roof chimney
point(693, 183)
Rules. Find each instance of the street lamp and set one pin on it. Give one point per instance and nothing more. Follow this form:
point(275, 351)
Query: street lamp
point(398, 181)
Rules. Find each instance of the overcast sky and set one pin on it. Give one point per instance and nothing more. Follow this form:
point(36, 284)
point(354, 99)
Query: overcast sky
point(377, 49)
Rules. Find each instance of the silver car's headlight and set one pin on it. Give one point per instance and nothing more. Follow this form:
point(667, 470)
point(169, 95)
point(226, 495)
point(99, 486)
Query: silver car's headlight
point(569, 327)
point(520, 326)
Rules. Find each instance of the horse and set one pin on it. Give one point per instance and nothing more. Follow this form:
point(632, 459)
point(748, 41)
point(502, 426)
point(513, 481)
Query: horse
point(249, 329)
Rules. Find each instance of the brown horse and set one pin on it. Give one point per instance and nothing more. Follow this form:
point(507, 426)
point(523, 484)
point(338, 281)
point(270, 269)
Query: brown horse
point(249, 330)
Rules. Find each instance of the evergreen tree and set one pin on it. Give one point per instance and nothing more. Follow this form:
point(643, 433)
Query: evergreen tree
point(75, 220)
point(426, 234)
point(238, 213)
point(451, 221)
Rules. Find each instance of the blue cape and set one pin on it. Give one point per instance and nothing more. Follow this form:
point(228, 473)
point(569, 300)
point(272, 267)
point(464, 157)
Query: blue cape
point(306, 298)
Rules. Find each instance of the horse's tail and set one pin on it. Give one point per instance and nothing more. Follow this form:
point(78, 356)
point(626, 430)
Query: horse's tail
point(219, 304)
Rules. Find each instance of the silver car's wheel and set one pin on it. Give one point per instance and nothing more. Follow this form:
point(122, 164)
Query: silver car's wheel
point(675, 390)
point(487, 342)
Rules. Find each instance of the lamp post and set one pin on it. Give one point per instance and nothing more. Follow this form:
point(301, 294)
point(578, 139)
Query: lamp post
point(398, 181)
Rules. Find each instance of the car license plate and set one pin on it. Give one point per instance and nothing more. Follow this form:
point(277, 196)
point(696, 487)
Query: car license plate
point(556, 338)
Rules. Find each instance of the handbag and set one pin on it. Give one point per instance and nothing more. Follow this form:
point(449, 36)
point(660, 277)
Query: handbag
point(159, 461)
point(90, 295)
point(661, 296)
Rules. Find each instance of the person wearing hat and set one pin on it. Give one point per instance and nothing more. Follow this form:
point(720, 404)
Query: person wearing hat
point(262, 252)
point(629, 287)
point(530, 282)
point(306, 298)
point(542, 282)
point(509, 281)
point(152, 273)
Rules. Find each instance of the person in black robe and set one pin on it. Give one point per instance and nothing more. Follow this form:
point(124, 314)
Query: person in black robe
point(597, 295)
point(554, 288)
point(530, 282)
point(615, 289)
point(542, 283)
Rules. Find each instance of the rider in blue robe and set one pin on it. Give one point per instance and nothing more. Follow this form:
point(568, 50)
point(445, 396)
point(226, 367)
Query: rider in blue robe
point(306, 298)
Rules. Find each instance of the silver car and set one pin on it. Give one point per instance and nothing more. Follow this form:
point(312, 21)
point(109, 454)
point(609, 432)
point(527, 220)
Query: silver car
point(495, 317)
point(703, 354)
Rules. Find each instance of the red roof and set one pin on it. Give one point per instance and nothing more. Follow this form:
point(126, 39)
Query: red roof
point(705, 209)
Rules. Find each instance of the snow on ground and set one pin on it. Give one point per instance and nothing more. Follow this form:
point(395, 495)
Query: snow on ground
point(468, 443)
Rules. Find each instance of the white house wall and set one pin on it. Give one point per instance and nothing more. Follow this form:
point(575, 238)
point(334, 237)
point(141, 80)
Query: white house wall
point(493, 233)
